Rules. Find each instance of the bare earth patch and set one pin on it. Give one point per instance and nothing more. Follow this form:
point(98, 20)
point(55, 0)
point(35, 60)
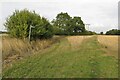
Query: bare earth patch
point(110, 43)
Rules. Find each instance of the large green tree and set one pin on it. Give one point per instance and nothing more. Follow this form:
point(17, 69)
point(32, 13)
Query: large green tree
point(61, 23)
point(64, 24)
point(18, 25)
point(78, 25)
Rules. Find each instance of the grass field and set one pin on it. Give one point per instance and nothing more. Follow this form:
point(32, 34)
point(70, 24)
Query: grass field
point(72, 57)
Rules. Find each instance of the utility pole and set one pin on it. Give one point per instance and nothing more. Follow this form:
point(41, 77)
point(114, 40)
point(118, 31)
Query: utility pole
point(30, 32)
point(87, 25)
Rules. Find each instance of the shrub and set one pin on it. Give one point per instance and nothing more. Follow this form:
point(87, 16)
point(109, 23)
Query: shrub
point(18, 25)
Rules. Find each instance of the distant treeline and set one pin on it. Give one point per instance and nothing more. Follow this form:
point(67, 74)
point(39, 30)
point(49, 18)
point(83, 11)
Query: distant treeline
point(113, 32)
point(3, 32)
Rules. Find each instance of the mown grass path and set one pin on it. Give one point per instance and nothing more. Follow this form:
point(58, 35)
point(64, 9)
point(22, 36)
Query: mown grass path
point(62, 60)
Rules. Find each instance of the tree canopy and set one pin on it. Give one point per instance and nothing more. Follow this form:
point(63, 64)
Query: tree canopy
point(78, 25)
point(65, 24)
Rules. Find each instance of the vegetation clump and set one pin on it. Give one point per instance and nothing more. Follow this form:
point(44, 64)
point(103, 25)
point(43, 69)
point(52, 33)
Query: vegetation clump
point(19, 23)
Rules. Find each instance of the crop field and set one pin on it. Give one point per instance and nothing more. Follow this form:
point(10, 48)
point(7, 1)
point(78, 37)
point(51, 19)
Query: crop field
point(71, 57)
point(111, 44)
point(75, 41)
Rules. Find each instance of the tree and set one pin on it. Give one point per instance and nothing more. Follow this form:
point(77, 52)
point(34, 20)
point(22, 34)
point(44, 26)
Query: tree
point(113, 32)
point(101, 33)
point(78, 25)
point(19, 22)
point(61, 23)
point(64, 24)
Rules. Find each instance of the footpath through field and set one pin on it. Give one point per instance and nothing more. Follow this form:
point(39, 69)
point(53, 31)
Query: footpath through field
point(72, 57)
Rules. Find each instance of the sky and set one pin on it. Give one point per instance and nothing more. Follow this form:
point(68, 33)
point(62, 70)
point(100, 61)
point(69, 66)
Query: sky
point(102, 15)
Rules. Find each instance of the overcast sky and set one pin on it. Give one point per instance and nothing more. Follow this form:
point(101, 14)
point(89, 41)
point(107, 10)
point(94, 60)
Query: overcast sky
point(102, 15)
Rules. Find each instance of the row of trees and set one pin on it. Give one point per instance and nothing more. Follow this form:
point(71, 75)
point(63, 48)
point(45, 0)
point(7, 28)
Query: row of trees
point(113, 32)
point(19, 23)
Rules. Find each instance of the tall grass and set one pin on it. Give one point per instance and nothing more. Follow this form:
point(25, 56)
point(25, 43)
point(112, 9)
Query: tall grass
point(13, 48)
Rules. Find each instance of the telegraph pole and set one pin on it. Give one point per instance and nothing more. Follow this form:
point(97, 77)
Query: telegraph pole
point(87, 25)
point(30, 32)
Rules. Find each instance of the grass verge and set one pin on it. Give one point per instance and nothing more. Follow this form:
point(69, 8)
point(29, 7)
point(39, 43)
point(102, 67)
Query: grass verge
point(14, 49)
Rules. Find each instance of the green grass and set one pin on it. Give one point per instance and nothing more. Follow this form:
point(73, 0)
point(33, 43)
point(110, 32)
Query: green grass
point(62, 61)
